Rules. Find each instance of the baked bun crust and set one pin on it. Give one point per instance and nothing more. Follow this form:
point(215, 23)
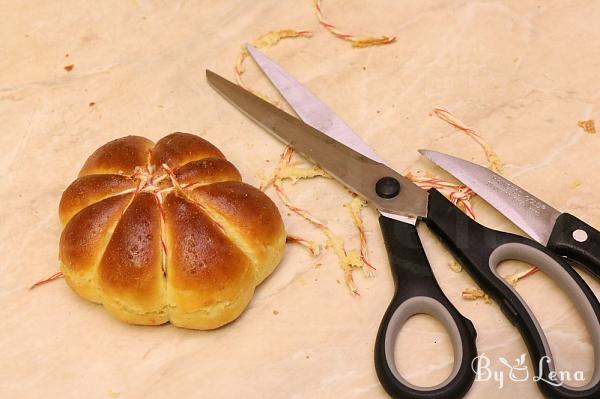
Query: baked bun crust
point(167, 232)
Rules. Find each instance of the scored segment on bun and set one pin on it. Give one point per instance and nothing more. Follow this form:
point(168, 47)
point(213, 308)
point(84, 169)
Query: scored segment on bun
point(167, 232)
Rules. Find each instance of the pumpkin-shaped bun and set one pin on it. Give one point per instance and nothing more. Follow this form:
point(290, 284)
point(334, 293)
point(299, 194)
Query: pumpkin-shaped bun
point(167, 232)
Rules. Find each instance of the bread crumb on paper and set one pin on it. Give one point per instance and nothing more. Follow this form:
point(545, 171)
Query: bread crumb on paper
point(588, 126)
point(69, 68)
point(474, 294)
point(575, 184)
point(455, 266)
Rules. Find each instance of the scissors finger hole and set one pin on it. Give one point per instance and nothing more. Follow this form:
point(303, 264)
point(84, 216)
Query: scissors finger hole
point(558, 317)
point(417, 312)
point(423, 351)
point(569, 287)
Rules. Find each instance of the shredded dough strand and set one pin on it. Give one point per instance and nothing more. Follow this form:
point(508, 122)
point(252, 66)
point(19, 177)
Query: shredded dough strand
point(53, 277)
point(348, 260)
point(269, 39)
point(359, 42)
point(494, 163)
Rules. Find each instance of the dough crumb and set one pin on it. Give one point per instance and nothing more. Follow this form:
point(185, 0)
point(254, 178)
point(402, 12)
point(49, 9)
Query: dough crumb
point(474, 294)
point(588, 126)
point(575, 184)
point(455, 266)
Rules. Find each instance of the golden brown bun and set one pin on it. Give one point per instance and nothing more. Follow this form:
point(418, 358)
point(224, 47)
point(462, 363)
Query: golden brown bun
point(167, 232)
point(119, 157)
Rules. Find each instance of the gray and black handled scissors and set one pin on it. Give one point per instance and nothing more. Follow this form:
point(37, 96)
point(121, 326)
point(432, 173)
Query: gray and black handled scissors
point(326, 140)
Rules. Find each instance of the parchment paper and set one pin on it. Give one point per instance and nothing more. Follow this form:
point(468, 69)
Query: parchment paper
point(523, 73)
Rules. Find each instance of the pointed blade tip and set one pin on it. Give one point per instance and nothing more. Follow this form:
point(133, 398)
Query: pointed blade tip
point(253, 51)
point(433, 155)
point(529, 213)
point(210, 75)
point(215, 80)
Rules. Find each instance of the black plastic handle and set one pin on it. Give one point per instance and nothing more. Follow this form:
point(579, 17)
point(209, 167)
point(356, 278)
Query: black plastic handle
point(481, 249)
point(417, 292)
point(578, 241)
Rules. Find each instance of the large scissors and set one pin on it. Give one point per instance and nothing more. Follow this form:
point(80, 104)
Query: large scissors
point(326, 140)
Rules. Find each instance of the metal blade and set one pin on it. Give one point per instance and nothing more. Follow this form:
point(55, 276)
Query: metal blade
point(352, 168)
point(532, 215)
point(308, 106)
point(314, 112)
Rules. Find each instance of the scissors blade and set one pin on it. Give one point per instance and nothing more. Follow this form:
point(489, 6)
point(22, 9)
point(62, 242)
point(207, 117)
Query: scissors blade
point(532, 215)
point(308, 106)
point(352, 168)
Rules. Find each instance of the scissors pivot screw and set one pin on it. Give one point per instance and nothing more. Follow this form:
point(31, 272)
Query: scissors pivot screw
point(387, 187)
point(580, 235)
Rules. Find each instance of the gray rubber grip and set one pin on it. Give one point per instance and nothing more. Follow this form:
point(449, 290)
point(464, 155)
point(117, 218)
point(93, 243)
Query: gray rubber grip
point(556, 272)
point(480, 250)
point(431, 307)
point(417, 292)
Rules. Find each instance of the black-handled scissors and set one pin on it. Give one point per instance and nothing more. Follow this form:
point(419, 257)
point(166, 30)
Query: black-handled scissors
point(329, 142)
